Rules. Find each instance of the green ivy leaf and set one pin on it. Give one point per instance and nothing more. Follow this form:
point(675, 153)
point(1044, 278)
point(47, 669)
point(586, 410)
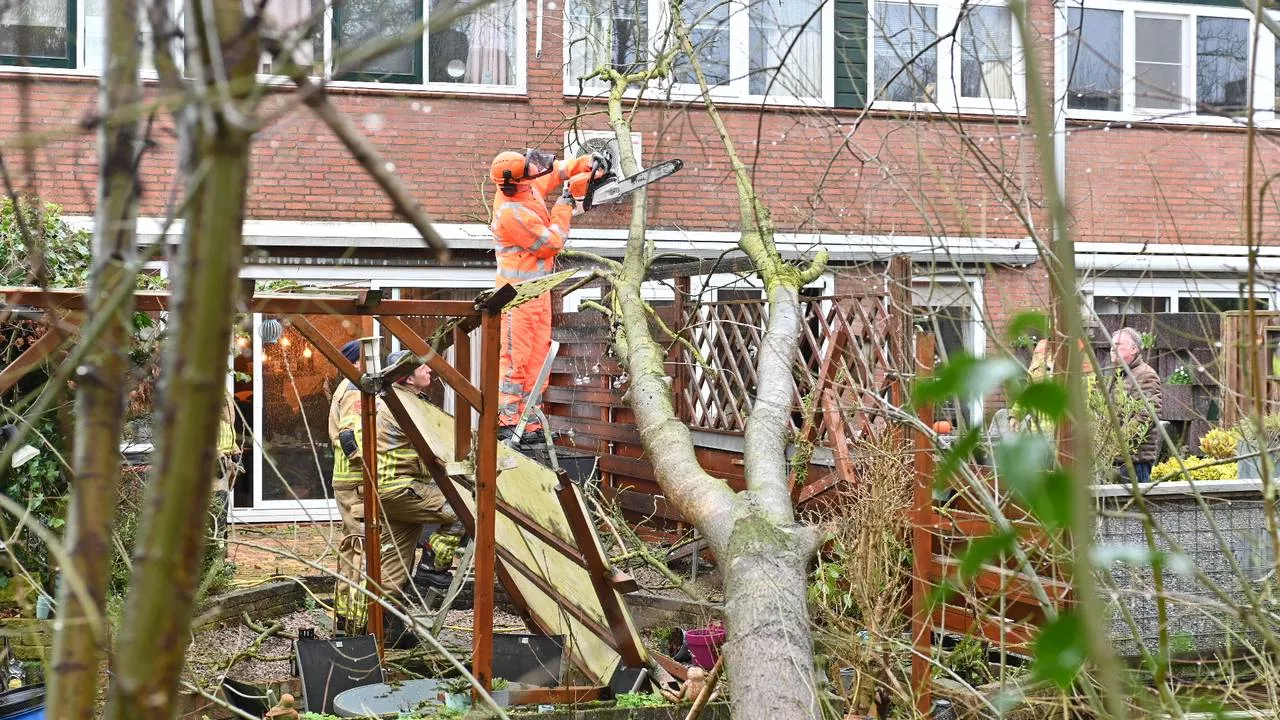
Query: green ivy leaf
point(966, 377)
point(1060, 651)
point(1028, 322)
point(1025, 462)
point(1046, 398)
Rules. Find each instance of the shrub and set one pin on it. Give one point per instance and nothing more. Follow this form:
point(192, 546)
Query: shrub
point(1200, 469)
point(1219, 443)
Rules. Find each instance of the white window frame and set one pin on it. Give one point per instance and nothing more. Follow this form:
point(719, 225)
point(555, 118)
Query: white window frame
point(1264, 96)
point(80, 70)
point(976, 344)
point(947, 96)
point(1172, 289)
point(737, 91)
point(520, 64)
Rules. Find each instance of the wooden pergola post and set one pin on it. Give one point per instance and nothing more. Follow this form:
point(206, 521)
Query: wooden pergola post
point(922, 541)
point(369, 457)
point(486, 474)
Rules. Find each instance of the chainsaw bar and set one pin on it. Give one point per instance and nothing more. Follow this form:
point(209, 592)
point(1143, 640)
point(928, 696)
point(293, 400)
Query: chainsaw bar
point(610, 191)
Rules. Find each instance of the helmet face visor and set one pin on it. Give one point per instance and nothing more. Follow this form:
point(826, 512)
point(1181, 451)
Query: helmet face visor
point(537, 163)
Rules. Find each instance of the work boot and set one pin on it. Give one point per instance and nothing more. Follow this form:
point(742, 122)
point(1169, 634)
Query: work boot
point(427, 577)
point(396, 635)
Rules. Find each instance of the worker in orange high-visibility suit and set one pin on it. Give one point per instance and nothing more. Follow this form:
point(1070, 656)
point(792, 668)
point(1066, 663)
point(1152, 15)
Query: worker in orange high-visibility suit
point(528, 237)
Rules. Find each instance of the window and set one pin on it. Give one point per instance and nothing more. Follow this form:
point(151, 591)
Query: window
point(986, 53)
point(60, 34)
point(951, 309)
point(914, 61)
point(38, 32)
point(1095, 59)
point(606, 32)
point(1158, 62)
point(1222, 64)
point(786, 48)
point(1164, 60)
point(708, 23)
point(1129, 304)
point(906, 62)
point(290, 20)
point(747, 49)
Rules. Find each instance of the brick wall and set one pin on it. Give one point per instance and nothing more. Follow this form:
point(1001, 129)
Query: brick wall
point(889, 176)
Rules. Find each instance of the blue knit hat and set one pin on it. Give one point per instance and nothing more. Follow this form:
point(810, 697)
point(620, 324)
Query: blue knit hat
point(351, 351)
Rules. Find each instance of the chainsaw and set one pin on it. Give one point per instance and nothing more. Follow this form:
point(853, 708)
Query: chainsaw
point(608, 186)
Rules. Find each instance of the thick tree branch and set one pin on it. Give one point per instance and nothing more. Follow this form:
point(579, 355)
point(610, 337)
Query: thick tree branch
point(80, 641)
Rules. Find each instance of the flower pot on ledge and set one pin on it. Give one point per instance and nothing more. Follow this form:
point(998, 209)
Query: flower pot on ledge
point(1178, 402)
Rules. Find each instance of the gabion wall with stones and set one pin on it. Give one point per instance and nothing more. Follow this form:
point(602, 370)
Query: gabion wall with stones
point(1197, 623)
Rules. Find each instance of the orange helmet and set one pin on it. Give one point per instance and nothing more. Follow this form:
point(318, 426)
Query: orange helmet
point(509, 167)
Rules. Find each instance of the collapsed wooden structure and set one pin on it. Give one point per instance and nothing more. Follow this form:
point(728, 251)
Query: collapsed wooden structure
point(599, 634)
point(859, 353)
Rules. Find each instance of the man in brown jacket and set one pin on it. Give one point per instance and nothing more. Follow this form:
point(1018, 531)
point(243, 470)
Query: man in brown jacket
point(1143, 383)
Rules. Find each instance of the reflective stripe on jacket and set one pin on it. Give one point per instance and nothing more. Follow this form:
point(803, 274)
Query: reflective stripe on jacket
point(526, 235)
point(344, 414)
point(398, 463)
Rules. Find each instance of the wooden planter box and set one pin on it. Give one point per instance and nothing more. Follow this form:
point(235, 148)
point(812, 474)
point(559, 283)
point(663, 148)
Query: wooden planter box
point(1178, 402)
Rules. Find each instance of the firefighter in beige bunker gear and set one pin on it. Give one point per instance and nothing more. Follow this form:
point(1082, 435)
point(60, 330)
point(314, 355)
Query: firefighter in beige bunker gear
point(527, 239)
point(348, 492)
point(410, 498)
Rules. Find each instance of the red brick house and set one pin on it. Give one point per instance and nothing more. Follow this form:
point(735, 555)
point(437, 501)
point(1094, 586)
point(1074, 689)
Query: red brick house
point(940, 164)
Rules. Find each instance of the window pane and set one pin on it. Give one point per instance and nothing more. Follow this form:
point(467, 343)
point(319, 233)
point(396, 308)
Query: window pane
point(35, 29)
point(1222, 63)
point(1220, 304)
point(1159, 63)
point(600, 32)
point(986, 53)
point(786, 48)
point(1130, 304)
point(901, 32)
point(288, 19)
point(708, 22)
point(297, 387)
point(478, 48)
point(1095, 81)
point(361, 22)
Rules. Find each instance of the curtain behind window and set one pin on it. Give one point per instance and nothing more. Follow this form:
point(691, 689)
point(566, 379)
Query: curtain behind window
point(786, 42)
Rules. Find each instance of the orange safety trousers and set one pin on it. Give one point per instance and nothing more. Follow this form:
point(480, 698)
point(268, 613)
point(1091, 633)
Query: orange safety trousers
point(527, 237)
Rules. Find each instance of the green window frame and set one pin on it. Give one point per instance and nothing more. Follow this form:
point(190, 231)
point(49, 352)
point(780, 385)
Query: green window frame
point(413, 78)
point(68, 61)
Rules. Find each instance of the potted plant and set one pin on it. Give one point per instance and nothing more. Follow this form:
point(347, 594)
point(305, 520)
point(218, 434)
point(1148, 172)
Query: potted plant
point(1179, 398)
point(1023, 346)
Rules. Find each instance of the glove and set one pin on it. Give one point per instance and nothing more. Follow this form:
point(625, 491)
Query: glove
point(347, 439)
point(566, 197)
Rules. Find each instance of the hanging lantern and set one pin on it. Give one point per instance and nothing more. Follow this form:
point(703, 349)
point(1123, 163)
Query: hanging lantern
point(270, 331)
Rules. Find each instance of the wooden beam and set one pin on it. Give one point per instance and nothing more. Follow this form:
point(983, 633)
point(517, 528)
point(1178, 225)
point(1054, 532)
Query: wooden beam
point(157, 301)
point(462, 416)
point(566, 604)
point(557, 696)
point(624, 633)
point(30, 358)
point(414, 342)
point(372, 531)
point(486, 469)
point(922, 541)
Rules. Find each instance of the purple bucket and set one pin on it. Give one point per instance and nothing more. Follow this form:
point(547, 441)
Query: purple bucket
point(704, 644)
